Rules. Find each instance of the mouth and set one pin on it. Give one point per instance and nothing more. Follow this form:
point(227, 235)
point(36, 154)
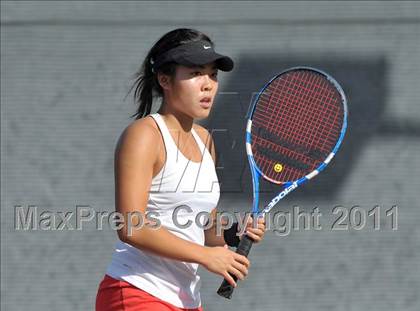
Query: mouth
point(205, 102)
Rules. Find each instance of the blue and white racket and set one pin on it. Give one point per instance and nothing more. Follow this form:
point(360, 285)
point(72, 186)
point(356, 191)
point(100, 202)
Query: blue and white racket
point(295, 127)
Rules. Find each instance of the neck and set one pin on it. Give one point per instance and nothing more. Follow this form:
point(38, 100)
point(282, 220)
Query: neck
point(176, 119)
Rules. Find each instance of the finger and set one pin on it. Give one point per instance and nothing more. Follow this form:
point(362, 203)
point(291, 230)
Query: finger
point(261, 220)
point(249, 222)
point(241, 268)
point(229, 278)
point(242, 259)
point(251, 226)
point(259, 232)
point(262, 229)
point(239, 274)
point(255, 237)
point(260, 224)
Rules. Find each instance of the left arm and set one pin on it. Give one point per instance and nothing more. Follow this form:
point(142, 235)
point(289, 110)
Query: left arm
point(256, 233)
point(211, 236)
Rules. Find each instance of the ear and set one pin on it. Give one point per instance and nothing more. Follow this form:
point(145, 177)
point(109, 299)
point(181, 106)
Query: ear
point(164, 81)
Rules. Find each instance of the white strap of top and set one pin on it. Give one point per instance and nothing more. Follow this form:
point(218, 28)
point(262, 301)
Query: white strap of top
point(199, 142)
point(167, 137)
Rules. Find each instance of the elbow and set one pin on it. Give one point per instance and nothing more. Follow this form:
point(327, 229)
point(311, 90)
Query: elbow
point(122, 236)
point(125, 237)
point(134, 239)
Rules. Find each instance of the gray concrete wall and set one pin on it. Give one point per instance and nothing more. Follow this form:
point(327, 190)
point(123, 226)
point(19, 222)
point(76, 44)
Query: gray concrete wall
point(65, 70)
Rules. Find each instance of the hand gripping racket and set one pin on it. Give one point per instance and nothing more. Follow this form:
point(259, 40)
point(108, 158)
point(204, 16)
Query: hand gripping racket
point(295, 127)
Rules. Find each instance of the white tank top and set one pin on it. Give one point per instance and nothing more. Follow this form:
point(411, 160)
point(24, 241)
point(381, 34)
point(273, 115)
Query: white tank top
point(181, 182)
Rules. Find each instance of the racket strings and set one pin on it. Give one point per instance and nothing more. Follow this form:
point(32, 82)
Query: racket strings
point(308, 119)
point(296, 123)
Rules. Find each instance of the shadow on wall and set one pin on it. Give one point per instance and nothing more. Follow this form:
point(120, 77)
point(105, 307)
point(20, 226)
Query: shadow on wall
point(363, 81)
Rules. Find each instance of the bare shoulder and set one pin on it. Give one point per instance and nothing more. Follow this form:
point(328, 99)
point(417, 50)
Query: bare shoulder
point(140, 134)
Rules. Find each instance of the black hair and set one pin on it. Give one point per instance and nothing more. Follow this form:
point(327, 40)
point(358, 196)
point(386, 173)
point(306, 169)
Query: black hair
point(146, 84)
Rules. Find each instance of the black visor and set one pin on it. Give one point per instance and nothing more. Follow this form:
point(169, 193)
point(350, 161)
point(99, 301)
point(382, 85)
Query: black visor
point(194, 54)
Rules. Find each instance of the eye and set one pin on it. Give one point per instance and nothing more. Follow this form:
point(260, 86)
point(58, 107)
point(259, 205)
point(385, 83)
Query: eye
point(196, 73)
point(214, 74)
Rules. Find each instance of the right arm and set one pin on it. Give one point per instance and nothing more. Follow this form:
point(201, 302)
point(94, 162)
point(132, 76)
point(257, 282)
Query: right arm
point(136, 160)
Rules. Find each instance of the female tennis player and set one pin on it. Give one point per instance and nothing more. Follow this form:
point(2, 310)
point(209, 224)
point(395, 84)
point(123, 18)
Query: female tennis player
point(164, 167)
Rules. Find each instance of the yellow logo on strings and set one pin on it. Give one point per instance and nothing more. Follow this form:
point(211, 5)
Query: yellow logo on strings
point(278, 168)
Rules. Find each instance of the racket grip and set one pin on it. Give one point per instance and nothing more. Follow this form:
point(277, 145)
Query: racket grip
point(226, 290)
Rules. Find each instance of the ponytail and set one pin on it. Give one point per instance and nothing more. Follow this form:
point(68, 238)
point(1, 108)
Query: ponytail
point(146, 86)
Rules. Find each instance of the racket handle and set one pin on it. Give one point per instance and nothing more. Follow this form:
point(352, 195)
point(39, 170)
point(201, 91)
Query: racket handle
point(226, 290)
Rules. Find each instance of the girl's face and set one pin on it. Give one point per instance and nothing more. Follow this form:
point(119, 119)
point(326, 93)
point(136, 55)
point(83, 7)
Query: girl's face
point(192, 90)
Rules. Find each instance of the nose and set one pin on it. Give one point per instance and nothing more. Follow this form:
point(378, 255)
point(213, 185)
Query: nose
point(207, 83)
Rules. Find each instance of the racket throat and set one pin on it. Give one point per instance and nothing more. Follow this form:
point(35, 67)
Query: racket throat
point(280, 196)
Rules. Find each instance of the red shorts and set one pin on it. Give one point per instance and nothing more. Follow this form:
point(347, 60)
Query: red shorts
point(116, 295)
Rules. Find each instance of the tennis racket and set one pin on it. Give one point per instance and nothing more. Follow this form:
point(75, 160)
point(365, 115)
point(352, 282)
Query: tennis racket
point(295, 127)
